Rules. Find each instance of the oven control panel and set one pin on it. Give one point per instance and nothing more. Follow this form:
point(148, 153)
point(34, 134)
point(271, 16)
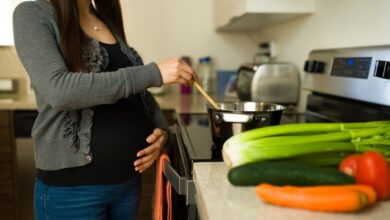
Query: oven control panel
point(355, 67)
point(361, 73)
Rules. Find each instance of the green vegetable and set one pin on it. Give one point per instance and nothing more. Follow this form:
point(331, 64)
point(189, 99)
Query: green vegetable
point(305, 139)
point(321, 159)
point(286, 173)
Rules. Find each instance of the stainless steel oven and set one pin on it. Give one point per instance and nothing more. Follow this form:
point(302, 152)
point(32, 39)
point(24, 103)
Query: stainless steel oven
point(347, 84)
point(192, 144)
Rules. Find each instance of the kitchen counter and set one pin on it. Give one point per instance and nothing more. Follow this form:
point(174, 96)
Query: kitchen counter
point(171, 99)
point(182, 103)
point(186, 103)
point(25, 103)
point(217, 199)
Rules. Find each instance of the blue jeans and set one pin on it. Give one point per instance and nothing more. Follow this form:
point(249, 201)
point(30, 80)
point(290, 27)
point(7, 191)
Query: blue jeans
point(88, 202)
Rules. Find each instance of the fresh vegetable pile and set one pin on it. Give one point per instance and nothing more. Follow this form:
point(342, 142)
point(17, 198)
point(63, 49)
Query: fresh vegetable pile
point(286, 164)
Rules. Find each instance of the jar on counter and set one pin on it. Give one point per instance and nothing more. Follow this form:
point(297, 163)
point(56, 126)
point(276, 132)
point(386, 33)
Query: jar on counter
point(206, 74)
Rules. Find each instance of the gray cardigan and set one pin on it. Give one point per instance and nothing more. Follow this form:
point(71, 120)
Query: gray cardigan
point(62, 130)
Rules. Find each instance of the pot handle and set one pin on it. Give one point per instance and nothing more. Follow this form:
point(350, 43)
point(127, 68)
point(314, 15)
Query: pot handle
point(239, 118)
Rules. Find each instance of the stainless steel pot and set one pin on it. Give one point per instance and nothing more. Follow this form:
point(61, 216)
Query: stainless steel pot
point(236, 117)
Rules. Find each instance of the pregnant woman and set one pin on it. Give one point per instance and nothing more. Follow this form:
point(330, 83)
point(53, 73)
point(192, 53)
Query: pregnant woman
point(98, 128)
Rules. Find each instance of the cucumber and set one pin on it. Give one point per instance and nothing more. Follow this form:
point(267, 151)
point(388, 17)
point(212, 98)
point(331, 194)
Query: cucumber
point(286, 173)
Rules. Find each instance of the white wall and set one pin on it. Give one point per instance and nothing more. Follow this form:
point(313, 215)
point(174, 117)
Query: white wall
point(336, 23)
point(161, 29)
point(6, 10)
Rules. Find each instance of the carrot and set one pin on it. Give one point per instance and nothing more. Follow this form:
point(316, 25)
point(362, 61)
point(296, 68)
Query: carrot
point(326, 199)
point(369, 191)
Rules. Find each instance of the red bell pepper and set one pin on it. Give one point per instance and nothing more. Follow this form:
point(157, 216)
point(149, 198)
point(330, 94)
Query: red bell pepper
point(350, 164)
point(370, 168)
point(373, 170)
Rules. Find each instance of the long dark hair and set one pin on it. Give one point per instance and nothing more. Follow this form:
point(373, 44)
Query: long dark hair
point(72, 37)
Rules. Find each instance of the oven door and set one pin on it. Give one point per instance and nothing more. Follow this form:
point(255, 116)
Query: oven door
point(179, 174)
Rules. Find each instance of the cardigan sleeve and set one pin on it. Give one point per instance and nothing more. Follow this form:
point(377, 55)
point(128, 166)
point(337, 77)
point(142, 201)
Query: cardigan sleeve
point(38, 50)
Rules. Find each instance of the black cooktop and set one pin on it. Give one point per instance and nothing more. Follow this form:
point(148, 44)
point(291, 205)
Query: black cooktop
point(196, 133)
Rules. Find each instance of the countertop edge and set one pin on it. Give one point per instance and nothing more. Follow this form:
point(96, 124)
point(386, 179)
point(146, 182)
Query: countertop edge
point(199, 199)
point(169, 100)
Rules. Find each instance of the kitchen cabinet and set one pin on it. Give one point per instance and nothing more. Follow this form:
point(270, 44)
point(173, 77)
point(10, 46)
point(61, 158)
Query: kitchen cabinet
point(8, 203)
point(249, 15)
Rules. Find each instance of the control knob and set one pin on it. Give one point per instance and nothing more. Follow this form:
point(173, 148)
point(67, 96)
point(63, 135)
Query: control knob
point(382, 69)
point(314, 66)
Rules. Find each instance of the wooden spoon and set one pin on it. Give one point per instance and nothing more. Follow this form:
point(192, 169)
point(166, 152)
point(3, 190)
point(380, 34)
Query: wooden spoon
point(208, 98)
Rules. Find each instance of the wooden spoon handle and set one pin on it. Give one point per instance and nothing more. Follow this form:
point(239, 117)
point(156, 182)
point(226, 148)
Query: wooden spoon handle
point(208, 98)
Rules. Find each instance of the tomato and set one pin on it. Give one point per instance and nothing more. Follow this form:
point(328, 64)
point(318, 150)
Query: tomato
point(350, 164)
point(374, 170)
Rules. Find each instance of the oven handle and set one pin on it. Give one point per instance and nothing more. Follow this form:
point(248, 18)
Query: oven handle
point(182, 185)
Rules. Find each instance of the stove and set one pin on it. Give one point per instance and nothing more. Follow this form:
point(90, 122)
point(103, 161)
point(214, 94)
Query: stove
point(196, 133)
point(345, 85)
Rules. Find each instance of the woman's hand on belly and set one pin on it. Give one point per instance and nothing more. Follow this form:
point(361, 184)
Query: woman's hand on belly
point(148, 155)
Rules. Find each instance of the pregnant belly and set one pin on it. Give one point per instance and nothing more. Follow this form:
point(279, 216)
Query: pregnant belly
point(118, 133)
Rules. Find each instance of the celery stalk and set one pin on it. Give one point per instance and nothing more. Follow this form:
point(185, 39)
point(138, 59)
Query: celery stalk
point(333, 159)
point(294, 140)
point(322, 159)
point(328, 137)
point(302, 128)
point(252, 154)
